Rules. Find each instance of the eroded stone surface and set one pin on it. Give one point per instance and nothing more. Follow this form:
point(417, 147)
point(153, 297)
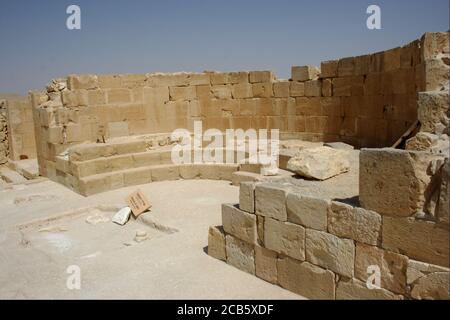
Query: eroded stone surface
point(306, 279)
point(240, 254)
point(319, 163)
point(331, 252)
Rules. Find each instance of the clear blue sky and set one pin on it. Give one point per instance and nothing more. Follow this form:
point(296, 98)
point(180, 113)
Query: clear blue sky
point(137, 36)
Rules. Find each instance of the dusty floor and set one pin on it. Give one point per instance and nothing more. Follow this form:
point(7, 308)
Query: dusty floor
point(171, 264)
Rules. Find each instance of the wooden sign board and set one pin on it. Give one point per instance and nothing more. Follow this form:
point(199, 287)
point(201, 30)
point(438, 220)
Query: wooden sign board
point(138, 203)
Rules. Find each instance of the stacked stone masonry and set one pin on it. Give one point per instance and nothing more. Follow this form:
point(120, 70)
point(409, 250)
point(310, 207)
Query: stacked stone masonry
point(324, 249)
point(17, 139)
point(367, 101)
point(4, 144)
point(327, 249)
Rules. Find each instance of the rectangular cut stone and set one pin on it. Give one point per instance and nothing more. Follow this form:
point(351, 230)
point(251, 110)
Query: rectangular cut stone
point(165, 172)
point(392, 266)
point(304, 73)
point(221, 91)
point(242, 90)
point(313, 88)
point(422, 240)
point(355, 223)
point(216, 243)
point(261, 76)
point(348, 86)
point(346, 67)
point(331, 252)
point(393, 182)
point(327, 88)
point(266, 264)
point(285, 238)
point(87, 81)
point(240, 254)
point(270, 201)
point(306, 211)
point(238, 77)
point(354, 289)
point(297, 89)
point(281, 89)
point(262, 90)
point(260, 226)
point(239, 223)
point(183, 93)
point(427, 281)
point(329, 69)
point(306, 279)
point(247, 197)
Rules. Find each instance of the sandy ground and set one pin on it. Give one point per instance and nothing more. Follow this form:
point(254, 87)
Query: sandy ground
point(35, 252)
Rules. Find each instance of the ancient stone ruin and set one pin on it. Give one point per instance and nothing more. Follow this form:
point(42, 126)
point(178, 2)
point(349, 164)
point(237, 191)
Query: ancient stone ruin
point(362, 189)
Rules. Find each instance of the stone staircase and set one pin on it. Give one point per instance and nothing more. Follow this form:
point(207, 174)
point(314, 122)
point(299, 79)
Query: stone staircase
point(98, 167)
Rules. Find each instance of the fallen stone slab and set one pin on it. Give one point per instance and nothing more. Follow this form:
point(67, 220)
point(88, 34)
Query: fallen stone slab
point(339, 145)
point(319, 163)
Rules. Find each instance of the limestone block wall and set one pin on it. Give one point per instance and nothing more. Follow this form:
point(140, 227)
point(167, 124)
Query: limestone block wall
point(433, 104)
point(368, 101)
point(4, 145)
point(22, 144)
point(326, 249)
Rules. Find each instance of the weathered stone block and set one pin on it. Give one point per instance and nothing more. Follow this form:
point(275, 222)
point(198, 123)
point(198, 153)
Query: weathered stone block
point(285, 238)
point(132, 177)
point(355, 223)
point(247, 197)
point(266, 264)
point(189, 171)
point(239, 223)
point(238, 77)
point(82, 82)
point(304, 73)
point(393, 182)
point(319, 163)
point(216, 243)
point(242, 90)
point(329, 69)
point(165, 172)
point(270, 201)
point(313, 88)
point(221, 91)
point(433, 111)
point(331, 252)
point(261, 76)
point(327, 88)
point(118, 95)
point(306, 211)
point(422, 240)
point(182, 93)
point(306, 279)
point(354, 289)
point(346, 67)
point(240, 254)
point(262, 90)
point(348, 86)
point(392, 267)
point(281, 89)
point(427, 281)
point(297, 89)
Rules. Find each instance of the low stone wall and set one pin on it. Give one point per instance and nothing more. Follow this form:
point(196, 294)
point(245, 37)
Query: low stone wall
point(367, 101)
point(326, 249)
point(4, 145)
point(22, 143)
